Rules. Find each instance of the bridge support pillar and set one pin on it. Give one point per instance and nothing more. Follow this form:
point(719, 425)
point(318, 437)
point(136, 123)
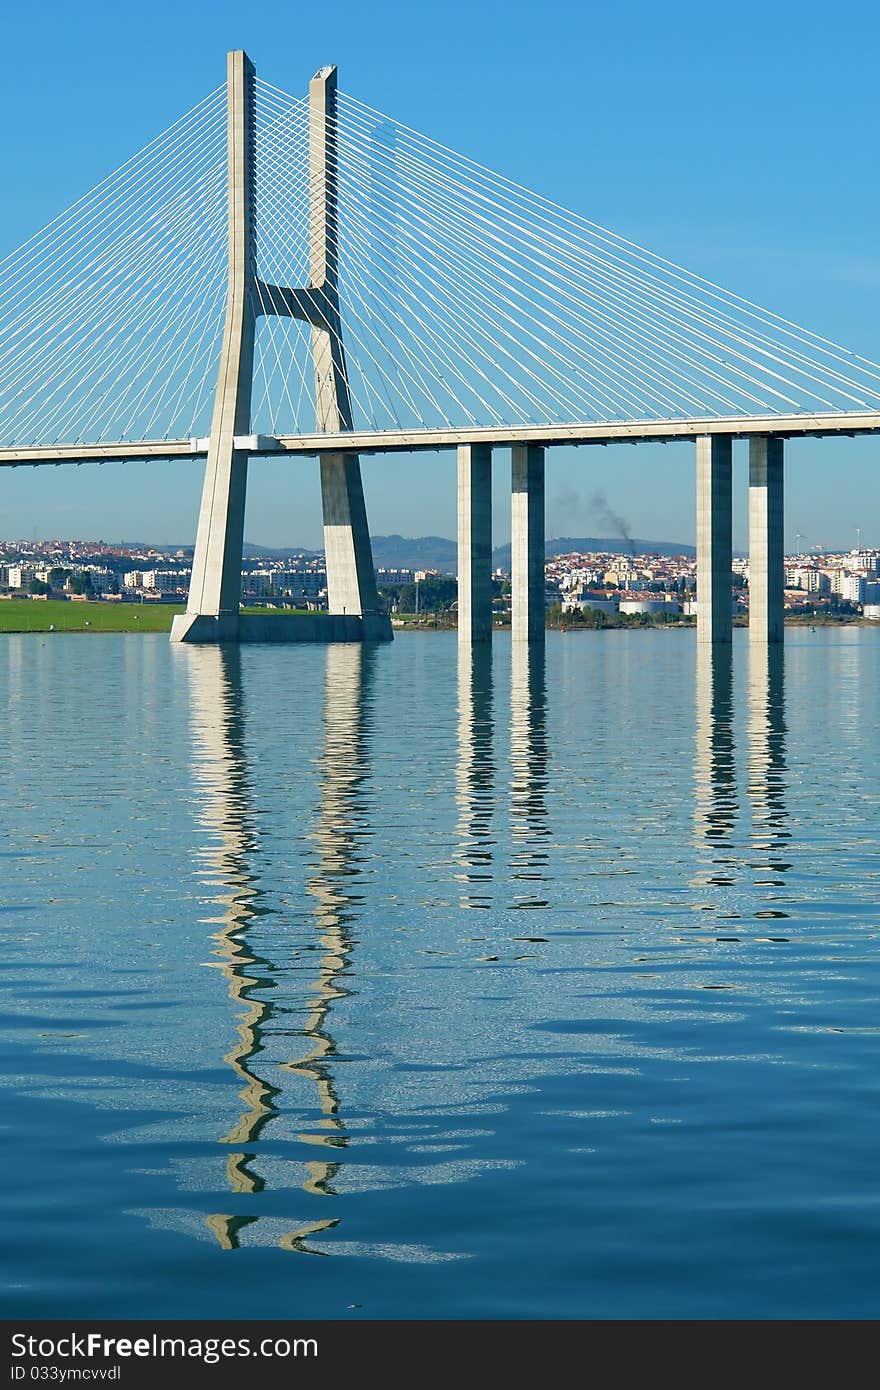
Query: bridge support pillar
point(766, 541)
point(714, 538)
point(212, 613)
point(351, 578)
point(527, 543)
point(215, 586)
point(474, 543)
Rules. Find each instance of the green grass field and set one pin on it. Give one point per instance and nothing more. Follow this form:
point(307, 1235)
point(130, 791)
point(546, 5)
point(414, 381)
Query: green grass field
point(26, 615)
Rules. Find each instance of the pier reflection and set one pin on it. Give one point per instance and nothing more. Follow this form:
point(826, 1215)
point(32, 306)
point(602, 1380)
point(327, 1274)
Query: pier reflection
point(227, 869)
point(715, 790)
point(767, 763)
point(528, 772)
point(226, 818)
point(475, 776)
point(342, 822)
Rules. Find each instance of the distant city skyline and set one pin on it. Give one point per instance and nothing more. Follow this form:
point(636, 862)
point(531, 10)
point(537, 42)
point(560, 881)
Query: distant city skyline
point(623, 147)
point(583, 577)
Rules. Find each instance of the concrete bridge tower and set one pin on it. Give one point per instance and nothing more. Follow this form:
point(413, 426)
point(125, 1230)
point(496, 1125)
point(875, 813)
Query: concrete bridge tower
point(212, 613)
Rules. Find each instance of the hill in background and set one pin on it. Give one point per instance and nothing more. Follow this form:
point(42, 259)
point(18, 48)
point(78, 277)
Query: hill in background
point(438, 553)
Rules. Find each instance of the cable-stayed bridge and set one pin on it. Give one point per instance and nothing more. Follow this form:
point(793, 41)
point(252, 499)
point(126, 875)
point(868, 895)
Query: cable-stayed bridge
point(277, 274)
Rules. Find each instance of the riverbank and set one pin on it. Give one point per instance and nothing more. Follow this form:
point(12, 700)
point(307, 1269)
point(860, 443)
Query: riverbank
point(51, 615)
point(58, 615)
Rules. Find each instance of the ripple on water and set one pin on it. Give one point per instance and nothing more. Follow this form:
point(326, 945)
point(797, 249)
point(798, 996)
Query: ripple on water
point(268, 989)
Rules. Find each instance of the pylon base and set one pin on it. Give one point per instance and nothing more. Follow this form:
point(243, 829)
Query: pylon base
point(202, 628)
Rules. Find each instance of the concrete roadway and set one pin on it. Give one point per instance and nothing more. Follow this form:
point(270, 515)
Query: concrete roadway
point(500, 436)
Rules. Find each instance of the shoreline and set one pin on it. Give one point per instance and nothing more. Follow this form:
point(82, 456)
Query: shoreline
point(86, 619)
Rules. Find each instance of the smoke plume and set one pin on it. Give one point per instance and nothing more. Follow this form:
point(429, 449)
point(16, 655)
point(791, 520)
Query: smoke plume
point(611, 519)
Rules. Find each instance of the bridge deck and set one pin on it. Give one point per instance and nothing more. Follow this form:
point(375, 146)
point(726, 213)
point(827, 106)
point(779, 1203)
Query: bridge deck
point(393, 441)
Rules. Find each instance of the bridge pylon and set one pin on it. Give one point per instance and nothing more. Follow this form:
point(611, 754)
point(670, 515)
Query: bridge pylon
point(213, 607)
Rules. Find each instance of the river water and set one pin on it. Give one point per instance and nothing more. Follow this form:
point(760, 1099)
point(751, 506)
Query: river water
point(376, 983)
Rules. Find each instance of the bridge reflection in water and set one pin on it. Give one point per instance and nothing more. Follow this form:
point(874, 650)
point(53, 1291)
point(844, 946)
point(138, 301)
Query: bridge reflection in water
point(715, 788)
point(231, 828)
point(767, 765)
point(475, 790)
point(476, 783)
point(285, 988)
point(717, 798)
point(529, 826)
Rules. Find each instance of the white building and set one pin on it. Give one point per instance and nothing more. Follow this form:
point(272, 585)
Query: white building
point(649, 605)
point(169, 581)
point(296, 583)
point(819, 582)
point(577, 579)
point(398, 576)
point(101, 578)
point(865, 560)
point(158, 581)
point(852, 588)
point(308, 582)
point(576, 603)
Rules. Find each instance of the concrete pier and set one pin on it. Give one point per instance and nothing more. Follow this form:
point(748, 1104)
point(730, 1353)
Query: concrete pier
point(527, 542)
point(215, 591)
point(714, 539)
point(766, 541)
point(351, 578)
point(215, 586)
point(474, 543)
point(200, 630)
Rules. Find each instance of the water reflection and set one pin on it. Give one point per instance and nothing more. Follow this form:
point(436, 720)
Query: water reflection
point(528, 1110)
point(528, 772)
point(221, 780)
point(767, 765)
point(715, 790)
point(342, 823)
point(228, 818)
point(475, 776)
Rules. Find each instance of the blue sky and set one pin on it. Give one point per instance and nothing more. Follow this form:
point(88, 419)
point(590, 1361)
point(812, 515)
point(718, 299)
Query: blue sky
point(739, 142)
